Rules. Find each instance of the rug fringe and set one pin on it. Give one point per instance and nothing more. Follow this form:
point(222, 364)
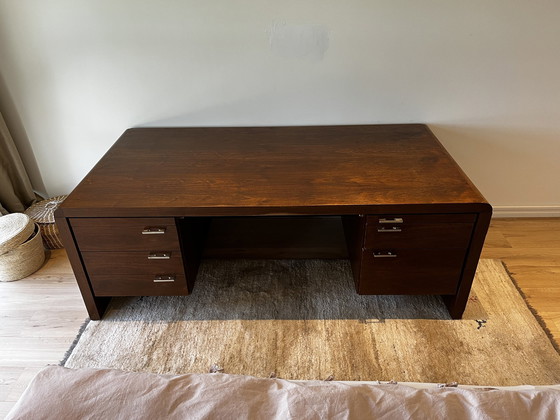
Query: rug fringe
point(216, 368)
point(448, 385)
point(539, 319)
point(74, 343)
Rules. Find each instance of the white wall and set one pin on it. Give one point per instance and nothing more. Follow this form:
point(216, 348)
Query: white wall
point(485, 75)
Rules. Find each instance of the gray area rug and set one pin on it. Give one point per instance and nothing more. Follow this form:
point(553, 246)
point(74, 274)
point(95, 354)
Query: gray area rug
point(302, 319)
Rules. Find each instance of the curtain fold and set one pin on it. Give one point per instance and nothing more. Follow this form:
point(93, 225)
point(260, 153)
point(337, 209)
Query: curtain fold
point(16, 192)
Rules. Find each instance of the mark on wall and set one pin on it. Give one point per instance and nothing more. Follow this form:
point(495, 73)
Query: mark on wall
point(299, 41)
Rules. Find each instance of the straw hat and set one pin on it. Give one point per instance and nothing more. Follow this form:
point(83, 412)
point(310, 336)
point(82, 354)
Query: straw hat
point(21, 248)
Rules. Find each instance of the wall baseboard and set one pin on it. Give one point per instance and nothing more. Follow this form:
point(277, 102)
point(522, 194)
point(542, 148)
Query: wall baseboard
point(526, 211)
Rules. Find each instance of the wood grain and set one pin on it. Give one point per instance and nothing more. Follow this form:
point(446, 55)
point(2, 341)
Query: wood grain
point(269, 170)
point(39, 317)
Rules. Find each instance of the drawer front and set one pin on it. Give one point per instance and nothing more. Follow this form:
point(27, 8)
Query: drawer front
point(137, 273)
point(411, 271)
point(419, 231)
point(133, 262)
point(138, 285)
point(130, 234)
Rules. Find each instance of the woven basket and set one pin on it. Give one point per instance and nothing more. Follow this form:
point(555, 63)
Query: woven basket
point(24, 258)
point(43, 214)
point(15, 229)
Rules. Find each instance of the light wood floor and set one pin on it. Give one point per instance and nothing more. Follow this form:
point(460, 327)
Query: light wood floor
point(40, 315)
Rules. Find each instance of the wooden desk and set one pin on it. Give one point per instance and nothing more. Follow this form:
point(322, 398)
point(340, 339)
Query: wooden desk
point(389, 197)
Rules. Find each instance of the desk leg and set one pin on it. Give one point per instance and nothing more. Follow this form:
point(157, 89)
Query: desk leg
point(456, 304)
point(95, 306)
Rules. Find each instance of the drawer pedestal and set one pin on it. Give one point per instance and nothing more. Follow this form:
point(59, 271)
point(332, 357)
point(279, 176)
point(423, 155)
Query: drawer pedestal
point(134, 256)
point(413, 253)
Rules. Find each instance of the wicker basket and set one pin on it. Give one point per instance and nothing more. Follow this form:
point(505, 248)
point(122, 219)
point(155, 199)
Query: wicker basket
point(21, 247)
point(43, 214)
point(15, 229)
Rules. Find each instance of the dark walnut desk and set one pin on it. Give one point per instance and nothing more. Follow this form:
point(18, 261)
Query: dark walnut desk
point(388, 197)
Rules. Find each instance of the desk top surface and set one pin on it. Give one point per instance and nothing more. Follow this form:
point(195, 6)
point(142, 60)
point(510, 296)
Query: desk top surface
point(273, 170)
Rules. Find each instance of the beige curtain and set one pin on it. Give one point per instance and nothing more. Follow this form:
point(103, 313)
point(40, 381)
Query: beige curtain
point(16, 193)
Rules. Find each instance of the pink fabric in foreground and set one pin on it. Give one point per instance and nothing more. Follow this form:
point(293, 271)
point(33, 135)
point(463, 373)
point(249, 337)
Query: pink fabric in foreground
point(61, 393)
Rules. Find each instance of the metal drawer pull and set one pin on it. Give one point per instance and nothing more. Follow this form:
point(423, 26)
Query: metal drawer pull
point(387, 254)
point(153, 231)
point(159, 255)
point(164, 279)
point(394, 220)
point(387, 230)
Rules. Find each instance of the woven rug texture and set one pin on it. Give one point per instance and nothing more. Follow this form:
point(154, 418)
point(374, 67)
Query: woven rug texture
point(302, 319)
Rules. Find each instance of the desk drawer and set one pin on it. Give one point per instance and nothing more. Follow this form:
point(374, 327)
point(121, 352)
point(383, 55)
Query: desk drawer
point(419, 231)
point(126, 263)
point(130, 234)
point(411, 271)
point(134, 274)
point(138, 285)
